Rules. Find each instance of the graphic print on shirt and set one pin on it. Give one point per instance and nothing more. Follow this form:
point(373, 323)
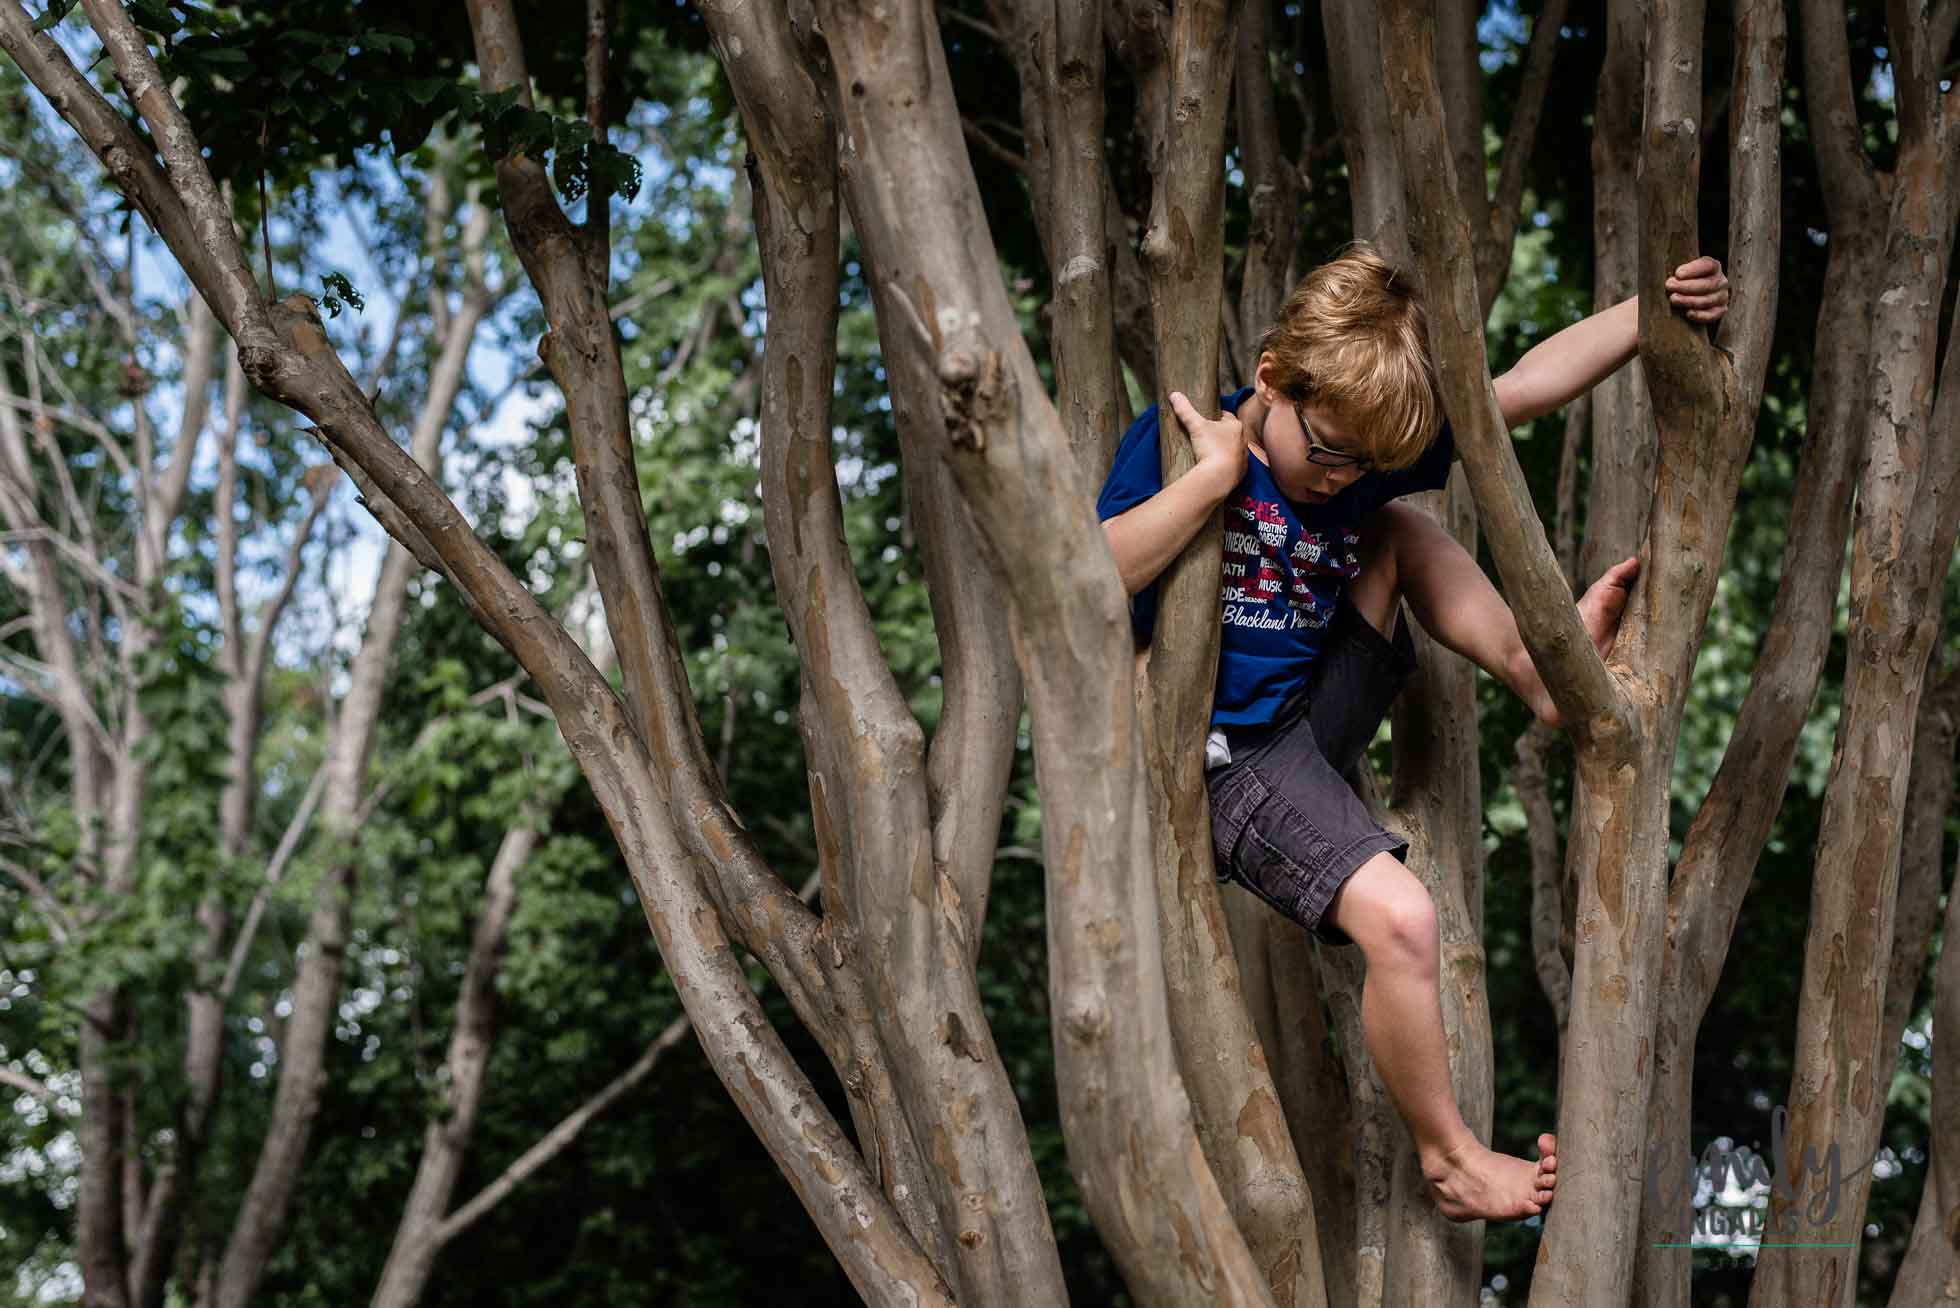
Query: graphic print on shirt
point(1262, 568)
point(1315, 556)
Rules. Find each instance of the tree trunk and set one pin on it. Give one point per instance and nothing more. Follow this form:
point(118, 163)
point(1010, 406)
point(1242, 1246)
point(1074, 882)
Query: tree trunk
point(262, 1215)
point(446, 1140)
point(1902, 542)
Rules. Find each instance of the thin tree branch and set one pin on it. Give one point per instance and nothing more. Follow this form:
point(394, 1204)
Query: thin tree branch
point(1586, 695)
point(1519, 138)
point(979, 136)
point(275, 869)
point(29, 1086)
point(199, 227)
point(58, 919)
point(1850, 183)
point(561, 1136)
point(598, 201)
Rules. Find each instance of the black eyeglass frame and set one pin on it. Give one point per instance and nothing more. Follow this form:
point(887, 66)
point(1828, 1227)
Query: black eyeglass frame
point(1327, 456)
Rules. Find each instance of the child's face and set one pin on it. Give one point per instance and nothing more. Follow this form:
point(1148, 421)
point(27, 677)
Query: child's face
point(1314, 453)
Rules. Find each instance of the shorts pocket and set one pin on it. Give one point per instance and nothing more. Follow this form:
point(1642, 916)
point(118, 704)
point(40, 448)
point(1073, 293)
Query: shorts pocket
point(1270, 873)
point(1236, 792)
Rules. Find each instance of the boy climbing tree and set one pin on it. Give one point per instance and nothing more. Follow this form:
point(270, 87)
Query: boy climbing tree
point(1343, 419)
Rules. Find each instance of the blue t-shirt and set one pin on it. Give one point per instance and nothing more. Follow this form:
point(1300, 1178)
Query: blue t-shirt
point(1285, 563)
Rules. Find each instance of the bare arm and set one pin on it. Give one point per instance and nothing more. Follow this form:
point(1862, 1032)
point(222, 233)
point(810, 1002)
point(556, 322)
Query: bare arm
point(1571, 362)
point(1146, 538)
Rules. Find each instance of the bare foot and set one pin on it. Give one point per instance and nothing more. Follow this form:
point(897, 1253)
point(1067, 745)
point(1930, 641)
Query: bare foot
point(1600, 609)
point(1604, 601)
point(1473, 1182)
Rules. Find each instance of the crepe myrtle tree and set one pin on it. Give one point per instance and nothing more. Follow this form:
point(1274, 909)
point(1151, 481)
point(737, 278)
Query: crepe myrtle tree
point(1225, 1154)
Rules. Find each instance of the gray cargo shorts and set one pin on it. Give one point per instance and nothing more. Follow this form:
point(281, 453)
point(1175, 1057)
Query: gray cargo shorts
point(1285, 824)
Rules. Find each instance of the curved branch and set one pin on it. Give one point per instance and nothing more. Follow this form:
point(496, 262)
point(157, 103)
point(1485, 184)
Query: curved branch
point(1579, 683)
point(1519, 138)
point(1755, 191)
point(1272, 187)
point(556, 1140)
point(200, 234)
point(1850, 183)
point(1720, 851)
point(581, 350)
point(744, 1049)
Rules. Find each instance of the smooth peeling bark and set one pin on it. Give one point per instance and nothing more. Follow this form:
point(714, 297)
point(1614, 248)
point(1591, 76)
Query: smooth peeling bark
point(794, 191)
point(1929, 797)
point(1618, 837)
point(1282, 994)
point(1721, 849)
point(1240, 1120)
point(294, 367)
point(1272, 187)
point(1577, 679)
point(862, 1231)
point(917, 211)
point(1067, 40)
point(1361, 111)
point(581, 350)
point(1930, 1273)
point(1373, 1127)
point(1902, 542)
point(868, 758)
point(1623, 448)
point(1704, 404)
point(827, 614)
point(924, 1008)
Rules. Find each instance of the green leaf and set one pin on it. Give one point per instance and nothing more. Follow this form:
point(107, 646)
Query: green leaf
point(388, 43)
point(329, 61)
point(151, 15)
point(54, 13)
point(337, 289)
point(424, 89)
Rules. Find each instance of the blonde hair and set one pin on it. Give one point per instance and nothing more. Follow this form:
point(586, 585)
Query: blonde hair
point(1353, 336)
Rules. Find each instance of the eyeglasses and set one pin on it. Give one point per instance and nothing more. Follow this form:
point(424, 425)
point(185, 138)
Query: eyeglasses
point(1325, 455)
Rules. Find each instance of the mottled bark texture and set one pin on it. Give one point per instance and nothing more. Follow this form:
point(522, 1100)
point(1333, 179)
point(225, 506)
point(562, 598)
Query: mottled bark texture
point(1624, 722)
point(1278, 1176)
point(1239, 1117)
point(1623, 448)
point(910, 896)
point(1902, 536)
point(951, 340)
point(284, 352)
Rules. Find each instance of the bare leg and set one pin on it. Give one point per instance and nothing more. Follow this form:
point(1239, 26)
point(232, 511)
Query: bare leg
point(1407, 554)
point(1388, 913)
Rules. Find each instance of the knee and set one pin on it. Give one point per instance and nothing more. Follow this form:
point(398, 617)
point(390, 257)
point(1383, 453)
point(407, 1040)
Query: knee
point(1397, 927)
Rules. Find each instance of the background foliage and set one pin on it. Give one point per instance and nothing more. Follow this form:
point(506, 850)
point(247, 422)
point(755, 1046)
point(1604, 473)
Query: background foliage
point(331, 109)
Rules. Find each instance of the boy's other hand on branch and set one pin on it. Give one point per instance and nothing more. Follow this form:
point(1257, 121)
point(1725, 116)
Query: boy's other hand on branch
point(1218, 442)
point(1699, 290)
